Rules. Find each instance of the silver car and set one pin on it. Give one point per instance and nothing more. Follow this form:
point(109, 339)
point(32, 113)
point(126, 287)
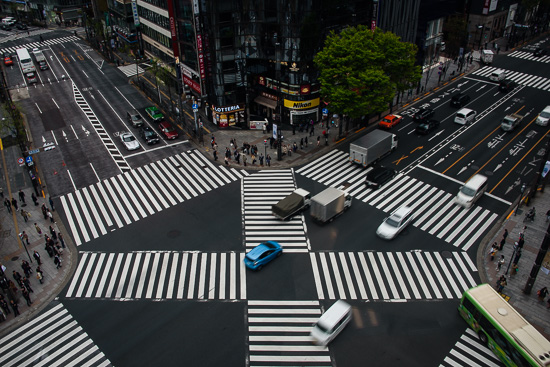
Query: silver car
point(395, 223)
point(129, 141)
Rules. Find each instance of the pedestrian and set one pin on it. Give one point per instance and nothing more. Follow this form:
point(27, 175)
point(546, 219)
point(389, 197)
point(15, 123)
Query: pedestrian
point(514, 270)
point(493, 251)
point(26, 268)
point(15, 308)
point(244, 159)
point(548, 215)
point(253, 159)
point(517, 257)
point(237, 156)
point(36, 255)
point(505, 233)
point(268, 160)
point(39, 275)
point(22, 196)
point(319, 140)
point(27, 284)
point(7, 204)
point(542, 293)
point(500, 262)
point(38, 230)
point(226, 161)
point(215, 155)
point(305, 142)
point(4, 306)
point(25, 215)
point(520, 242)
point(12, 287)
point(261, 158)
point(502, 242)
point(44, 212)
point(264, 128)
point(27, 296)
point(54, 235)
point(502, 283)
point(60, 237)
point(51, 204)
point(25, 237)
point(17, 277)
point(50, 215)
point(57, 261)
point(34, 199)
point(14, 203)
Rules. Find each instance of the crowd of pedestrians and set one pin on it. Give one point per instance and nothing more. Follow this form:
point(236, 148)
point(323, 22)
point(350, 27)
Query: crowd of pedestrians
point(18, 289)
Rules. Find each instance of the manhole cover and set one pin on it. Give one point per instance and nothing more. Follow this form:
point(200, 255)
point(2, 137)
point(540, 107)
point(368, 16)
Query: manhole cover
point(474, 167)
point(488, 173)
point(173, 234)
point(15, 258)
point(446, 254)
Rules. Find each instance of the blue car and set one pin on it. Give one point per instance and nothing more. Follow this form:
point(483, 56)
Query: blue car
point(262, 254)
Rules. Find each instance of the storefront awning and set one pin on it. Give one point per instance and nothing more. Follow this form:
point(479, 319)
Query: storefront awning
point(266, 102)
point(70, 14)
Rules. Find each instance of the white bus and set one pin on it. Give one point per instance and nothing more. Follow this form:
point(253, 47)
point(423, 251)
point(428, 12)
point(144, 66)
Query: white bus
point(25, 61)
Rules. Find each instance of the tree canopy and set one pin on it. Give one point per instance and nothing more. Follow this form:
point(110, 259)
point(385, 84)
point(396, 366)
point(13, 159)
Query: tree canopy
point(361, 70)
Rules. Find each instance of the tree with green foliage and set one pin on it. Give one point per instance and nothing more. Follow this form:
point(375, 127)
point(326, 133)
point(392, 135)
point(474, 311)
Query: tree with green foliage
point(361, 71)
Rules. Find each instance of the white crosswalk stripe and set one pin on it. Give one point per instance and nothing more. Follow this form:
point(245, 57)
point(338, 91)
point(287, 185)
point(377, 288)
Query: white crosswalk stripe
point(95, 210)
point(528, 80)
point(131, 70)
point(530, 56)
point(469, 351)
point(279, 334)
point(46, 42)
point(52, 339)
point(159, 275)
point(385, 276)
point(435, 211)
point(259, 192)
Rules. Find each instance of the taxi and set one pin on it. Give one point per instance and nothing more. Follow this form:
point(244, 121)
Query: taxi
point(390, 121)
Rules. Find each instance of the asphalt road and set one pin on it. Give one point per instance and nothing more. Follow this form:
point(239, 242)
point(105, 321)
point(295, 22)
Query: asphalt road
point(161, 281)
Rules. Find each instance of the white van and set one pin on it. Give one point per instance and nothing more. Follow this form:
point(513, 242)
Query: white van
point(498, 75)
point(471, 191)
point(544, 116)
point(331, 323)
point(465, 116)
point(8, 21)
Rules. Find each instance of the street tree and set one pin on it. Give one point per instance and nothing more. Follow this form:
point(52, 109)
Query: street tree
point(361, 70)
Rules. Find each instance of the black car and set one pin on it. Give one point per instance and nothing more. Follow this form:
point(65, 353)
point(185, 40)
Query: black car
point(5, 27)
point(148, 135)
point(460, 100)
point(423, 114)
point(378, 176)
point(539, 52)
point(506, 85)
point(427, 127)
point(21, 26)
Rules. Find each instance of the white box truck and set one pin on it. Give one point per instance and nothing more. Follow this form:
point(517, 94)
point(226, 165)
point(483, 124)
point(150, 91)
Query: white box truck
point(40, 59)
point(328, 204)
point(370, 148)
point(486, 56)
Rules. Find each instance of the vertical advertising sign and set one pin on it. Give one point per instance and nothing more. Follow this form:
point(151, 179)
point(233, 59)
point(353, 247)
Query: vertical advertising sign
point(135, 13)
point(374, 20)
point(173, 34)
point(200, 51)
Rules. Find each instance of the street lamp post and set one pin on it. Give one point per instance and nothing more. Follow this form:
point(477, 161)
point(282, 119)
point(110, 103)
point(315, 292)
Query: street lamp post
point(516, 248)
point(520, 197)
point(480, 27)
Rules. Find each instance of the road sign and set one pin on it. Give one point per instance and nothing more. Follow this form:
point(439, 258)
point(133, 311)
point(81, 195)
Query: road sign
point(21, 160)
point(28, 159)
point(34, 151)
point(195, 107)
point(325, 111)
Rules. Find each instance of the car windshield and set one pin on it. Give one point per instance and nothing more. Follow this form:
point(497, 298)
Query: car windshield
point(393, 221)
point(423, 127)
point(545, 114)
point(169, 128)
point(129, 138)
point(320, 327)
point(468, 191)
point(136, 117)
point(386, 120)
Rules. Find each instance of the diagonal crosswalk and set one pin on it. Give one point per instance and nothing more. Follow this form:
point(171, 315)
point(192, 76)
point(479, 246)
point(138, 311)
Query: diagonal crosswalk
point(97, 209)
point(31, 45)
point(435, 211)
point(528, 80)
point(469, 351)
point(259, 192)
point(383, 276)
point(52, 339)
point(278, 334)
point(159, 275)
point(529, 56)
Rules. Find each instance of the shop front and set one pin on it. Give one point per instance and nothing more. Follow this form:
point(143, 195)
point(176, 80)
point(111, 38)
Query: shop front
point(302, 111)
point(226, 116)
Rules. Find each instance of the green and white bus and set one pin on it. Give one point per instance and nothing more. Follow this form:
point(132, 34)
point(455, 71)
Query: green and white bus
point(514, 340)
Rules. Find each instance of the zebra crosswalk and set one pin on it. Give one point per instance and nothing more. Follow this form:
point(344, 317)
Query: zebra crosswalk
point(528, 80)
point(52, 339)
point(259, 192)
point(435, 211)
point(530, 56)
point(159, 276)
point(278, 334)
point(131, 70)
point(469, 351)
point(97, 209)
point(46, 42)
point(385, 276)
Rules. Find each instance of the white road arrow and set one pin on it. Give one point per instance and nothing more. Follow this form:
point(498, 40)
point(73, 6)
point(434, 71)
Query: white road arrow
point(497, 167)
point(439, 161)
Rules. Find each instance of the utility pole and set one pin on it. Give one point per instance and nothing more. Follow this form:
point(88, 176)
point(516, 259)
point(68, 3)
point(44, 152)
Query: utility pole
point(538, 262)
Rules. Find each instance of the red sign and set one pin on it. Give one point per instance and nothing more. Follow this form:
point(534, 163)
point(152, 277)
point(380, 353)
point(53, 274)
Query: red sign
point(305, 89)
point(171, 17)
point(192, 84)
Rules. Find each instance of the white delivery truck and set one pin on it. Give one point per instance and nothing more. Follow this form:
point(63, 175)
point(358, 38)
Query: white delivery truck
point(294, 203)
point(370, 148)
point(40, 59)
point(328, 204)
point(486, 56)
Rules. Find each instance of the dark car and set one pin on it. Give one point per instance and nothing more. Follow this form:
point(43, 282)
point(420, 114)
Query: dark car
point(378, 176)
point(506, 85)
point(539, 52)
point(423, 114)
point(5, 27)
point(427, 127)
point(134, 118)
point(148, 135)
point(460, 100)
point(21, 26)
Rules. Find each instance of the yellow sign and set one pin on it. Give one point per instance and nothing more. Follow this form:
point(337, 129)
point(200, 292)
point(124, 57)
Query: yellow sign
point(302, 105)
